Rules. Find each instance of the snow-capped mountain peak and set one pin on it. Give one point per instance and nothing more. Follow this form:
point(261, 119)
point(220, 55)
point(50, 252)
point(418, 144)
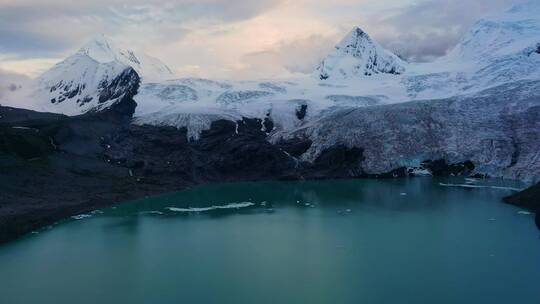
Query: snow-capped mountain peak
point(94, 77)
point(104, 50)
point(85, 80)
point(355, 42)
point(531, 8)
point(501, 35)
point(359, 55)
point(101, 49)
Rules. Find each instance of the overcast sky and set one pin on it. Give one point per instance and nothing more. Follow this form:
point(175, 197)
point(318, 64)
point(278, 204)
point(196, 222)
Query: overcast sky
point(230, 38)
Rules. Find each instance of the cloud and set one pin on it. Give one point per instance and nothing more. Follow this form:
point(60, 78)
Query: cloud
point(34, 28)
point(11, 82)
point(429, 29)
point(39, 30)
point(232, 38)
point(419, 31)
point(300, 55)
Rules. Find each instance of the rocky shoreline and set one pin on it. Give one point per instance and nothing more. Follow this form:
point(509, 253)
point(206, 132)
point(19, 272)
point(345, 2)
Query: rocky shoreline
point(528, 198)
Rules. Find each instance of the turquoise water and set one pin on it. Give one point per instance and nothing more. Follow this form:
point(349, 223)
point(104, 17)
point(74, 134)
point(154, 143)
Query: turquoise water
point(352, 241)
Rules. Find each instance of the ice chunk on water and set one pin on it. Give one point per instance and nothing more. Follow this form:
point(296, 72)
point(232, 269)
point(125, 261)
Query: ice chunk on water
point(151, 212)
point(471, 180)
point(480, 186)
point(203, 209)
point(421, 172)
point(81, 216)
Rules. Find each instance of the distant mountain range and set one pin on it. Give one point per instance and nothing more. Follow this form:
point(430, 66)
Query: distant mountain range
point(500, 54)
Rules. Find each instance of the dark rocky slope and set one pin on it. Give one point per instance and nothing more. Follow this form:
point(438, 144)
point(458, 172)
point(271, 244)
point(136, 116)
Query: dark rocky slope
point(528, 198)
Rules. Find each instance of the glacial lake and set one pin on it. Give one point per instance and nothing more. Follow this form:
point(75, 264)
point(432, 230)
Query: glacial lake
point(421, 240)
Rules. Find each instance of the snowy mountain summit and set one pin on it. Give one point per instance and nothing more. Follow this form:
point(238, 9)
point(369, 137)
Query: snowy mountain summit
point(94, 77)
point(359, 55)
point(498, 49)
point(359, 72)
point(513, 31)
point(103, 50)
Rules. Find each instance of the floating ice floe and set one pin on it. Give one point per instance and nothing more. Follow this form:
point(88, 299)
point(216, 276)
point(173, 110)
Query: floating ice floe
point(24, 128)
point(343, 212)
point(81, 216)
point(151, 212)
point(479, 186)
point(203, 209)
point(471, 180)
point(421, 172)
point(524, 212)
point(403, 194)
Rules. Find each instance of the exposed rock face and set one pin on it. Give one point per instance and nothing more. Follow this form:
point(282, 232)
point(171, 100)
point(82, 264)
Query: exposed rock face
point(301, 111)
point(126, 83)
point(79, 84)
point(294, 146)
point(441, 168)
point(225, 152)
point(528, 198)
point(337, 162)
point(82, 135)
